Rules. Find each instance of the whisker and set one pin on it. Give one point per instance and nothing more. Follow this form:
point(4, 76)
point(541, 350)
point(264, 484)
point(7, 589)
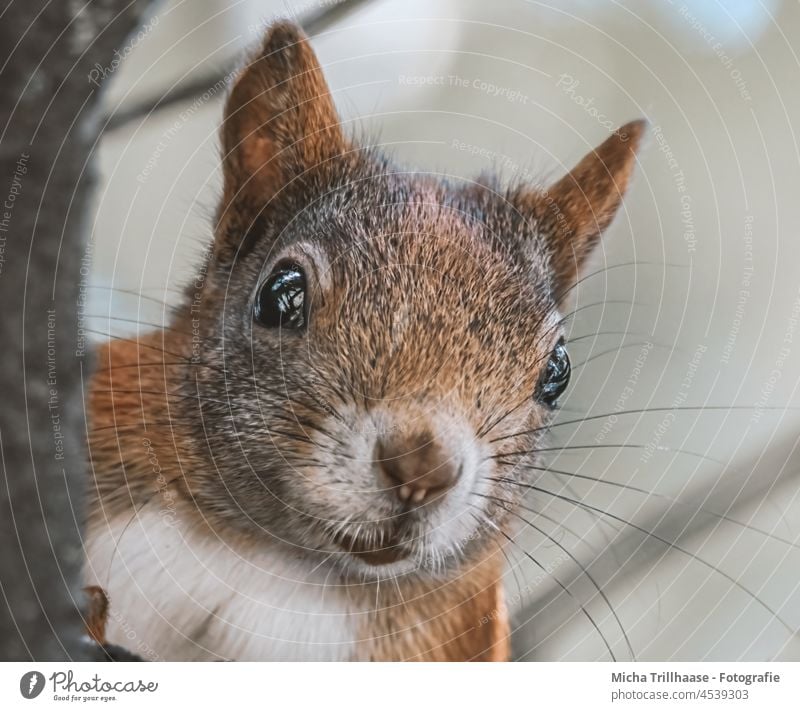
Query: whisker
point(515, 548)
point(669, 544)
point(583, 568)
point(119, 429)
point(164, 393)
point(487, 427)
point(139, 343)
point(624, 445)
point(686, 408)
point(655, 494)
point(131, 292)
point(138, 322)
point(596, 334)
point(163, 363)
point(227, 403)
point(599, 303)
point(577, 536)
point(511, 566)
point(557, 581)
point(612, 267)
point(619, 348)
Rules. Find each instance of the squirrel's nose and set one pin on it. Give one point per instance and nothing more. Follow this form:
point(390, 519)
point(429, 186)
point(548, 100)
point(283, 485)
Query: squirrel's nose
point(416, 468)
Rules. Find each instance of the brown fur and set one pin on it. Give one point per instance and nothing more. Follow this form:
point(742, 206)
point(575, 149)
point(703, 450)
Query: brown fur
point(96, 615)
point(464, 619)
point(427, 300)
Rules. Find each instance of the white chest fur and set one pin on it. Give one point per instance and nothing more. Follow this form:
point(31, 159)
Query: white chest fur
point(180, 593)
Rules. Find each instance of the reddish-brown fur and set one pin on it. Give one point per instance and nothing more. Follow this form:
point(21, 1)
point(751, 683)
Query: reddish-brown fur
point(464, 619)
point(476, 347)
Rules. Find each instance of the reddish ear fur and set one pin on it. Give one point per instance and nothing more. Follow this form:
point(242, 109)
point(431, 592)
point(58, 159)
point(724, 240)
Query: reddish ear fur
point(576, 210)
point(280, 124)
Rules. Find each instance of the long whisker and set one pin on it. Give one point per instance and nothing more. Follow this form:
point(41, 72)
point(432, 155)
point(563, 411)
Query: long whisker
point(136, 342)
point(131, 292)
point(488, 425)
point(509, 507)
point(598, 303)
point(161, 363)
point(670, 544)
point(685, 408)
point(140, 424)
point(612, 267)
point(671, 499)
point(139, 322)
point(596, 334)
point(515, 549)
point(577, 536)
point(200, 399)
point(558, 582)
point(512, 566)
point(590, 513)
point(617, 349)
point(610, 445)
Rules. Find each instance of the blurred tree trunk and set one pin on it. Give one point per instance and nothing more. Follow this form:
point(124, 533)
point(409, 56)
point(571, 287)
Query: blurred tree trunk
point(48, 130)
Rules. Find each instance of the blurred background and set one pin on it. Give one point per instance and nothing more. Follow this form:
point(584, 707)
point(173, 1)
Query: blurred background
point(685, 347)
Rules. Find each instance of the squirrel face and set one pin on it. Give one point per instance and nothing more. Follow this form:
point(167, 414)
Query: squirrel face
point(383, 350)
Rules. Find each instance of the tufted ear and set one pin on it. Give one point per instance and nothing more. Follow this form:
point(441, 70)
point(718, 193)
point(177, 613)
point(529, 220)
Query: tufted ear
point(574, 212)
point(280, 126)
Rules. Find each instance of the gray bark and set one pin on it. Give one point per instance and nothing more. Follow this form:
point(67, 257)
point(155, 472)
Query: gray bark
point(48, 130)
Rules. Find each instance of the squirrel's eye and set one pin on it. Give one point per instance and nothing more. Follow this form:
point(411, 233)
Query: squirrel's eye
point(281, 299)
point(555, 377)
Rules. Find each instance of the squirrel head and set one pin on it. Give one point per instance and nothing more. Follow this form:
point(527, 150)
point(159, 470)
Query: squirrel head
point(384, 348)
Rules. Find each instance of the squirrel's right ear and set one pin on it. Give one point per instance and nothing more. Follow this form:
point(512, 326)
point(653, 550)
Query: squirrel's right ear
point(279, 125)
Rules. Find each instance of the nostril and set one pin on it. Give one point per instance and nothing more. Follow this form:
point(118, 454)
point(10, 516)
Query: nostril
point(416, 470)
point(393, 472)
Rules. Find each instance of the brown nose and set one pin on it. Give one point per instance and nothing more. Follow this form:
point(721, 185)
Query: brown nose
point(416, 468)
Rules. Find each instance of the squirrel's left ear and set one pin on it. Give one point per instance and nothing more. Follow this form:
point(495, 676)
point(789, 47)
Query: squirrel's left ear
point(573, 213)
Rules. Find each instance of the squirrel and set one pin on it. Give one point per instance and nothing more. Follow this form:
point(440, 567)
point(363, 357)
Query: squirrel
point(319, 457)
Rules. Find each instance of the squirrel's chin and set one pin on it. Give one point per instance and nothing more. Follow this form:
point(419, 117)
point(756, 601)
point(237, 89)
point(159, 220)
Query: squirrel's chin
point(365, 571)
point(380, 556)
point(404, 562)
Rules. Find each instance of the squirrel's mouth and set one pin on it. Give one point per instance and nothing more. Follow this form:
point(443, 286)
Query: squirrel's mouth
point(387, 552)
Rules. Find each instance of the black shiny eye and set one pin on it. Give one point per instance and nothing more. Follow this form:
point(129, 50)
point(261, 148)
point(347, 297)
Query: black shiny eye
point(281, 299)
point(555, 377)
